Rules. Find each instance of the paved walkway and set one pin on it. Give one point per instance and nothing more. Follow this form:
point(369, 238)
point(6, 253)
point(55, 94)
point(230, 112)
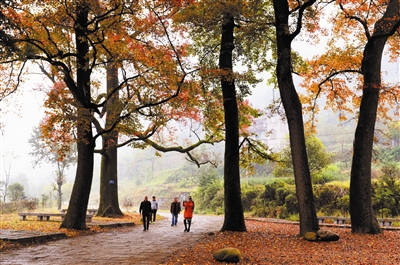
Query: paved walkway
point(120, 246)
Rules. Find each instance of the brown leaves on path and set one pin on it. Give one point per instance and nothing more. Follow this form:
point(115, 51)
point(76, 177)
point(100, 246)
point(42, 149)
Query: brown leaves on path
point(279, 243)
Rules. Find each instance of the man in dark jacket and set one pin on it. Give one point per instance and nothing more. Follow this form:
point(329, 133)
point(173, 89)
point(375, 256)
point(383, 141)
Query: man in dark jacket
point(145, 209)
point(175, 210)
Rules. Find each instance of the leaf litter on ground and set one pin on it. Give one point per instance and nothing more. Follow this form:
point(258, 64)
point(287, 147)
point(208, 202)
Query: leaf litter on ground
point(263, 243)
point(12, 222)
point(279, 243)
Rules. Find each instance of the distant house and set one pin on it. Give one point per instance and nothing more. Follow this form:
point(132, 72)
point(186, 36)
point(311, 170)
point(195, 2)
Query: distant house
point(272, 131)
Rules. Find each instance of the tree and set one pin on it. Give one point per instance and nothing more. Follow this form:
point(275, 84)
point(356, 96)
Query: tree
point(16, 192)
point(109, 204)
point(160, 74)
point(318, 158)
point(209, 191)
point(72, 40)
point(47, 150)
point(362, 217)
point(44, 199)
point(389, 147)
point(229, 32)
point(234, 218)
point(386, 195)
point(365, 28)
point(394, 133)
point(108, 193)
point(293, 109)
point(7, 159)
point(212, 28)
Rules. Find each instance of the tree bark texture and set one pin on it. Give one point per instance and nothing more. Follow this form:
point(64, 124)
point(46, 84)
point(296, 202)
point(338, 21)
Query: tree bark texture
point(293, 109)
point(363, 219)
point(234, 217)
point(109, 205)
point(76, 214)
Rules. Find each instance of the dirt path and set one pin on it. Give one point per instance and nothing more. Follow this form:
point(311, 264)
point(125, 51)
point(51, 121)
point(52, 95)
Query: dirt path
point(121, 246)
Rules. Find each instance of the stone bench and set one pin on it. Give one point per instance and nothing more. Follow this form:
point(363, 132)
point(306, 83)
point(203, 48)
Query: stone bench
point(89, 211)
point(46, 216)
point(339, 220)
point(387, 221)
point(342, 220)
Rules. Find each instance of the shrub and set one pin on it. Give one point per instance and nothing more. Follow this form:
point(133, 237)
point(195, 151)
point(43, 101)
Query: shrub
point(328, 198)
point(127, 203)
point(30, 203)
point(277, 201)
point(249, 194)
point(209, 193)
point(7, 207)
point(329, 174)
point(386, 191)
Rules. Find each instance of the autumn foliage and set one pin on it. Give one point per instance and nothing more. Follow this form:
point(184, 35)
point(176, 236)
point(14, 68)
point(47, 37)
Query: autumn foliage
point(337, 73)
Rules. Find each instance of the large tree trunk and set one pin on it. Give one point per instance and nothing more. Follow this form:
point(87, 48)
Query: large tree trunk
point(109, 205)
point(363, 219)
point(76, 214)
point(293, 109)
point(234, 217)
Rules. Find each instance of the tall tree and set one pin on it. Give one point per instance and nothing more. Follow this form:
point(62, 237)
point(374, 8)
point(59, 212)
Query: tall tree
point(81, 90)
point(293, 109)
point(157, 73)
point(69, 36)
point(211, 26)
point(366, 28)
point(234, 218)
point(363, 219)
point(109, 204)
point(111, 34)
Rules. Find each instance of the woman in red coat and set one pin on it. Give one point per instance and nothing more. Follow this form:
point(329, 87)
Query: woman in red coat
point(188, 213)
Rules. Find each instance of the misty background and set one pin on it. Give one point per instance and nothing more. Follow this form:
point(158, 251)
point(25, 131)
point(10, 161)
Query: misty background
point(23, 111)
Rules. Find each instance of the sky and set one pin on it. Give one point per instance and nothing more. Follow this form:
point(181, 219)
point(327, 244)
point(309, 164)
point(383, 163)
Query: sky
point(24, 111)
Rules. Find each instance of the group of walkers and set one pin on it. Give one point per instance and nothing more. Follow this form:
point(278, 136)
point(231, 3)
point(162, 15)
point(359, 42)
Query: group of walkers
point(148, 210)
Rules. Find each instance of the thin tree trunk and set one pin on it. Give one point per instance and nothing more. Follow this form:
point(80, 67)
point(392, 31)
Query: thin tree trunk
point(234, 217)
point(59, 196)
point(293, 109)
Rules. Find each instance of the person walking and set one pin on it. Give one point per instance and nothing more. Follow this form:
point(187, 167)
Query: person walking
point(188, 213)
point(145, 209)
point(154, 208)
point(175, 210)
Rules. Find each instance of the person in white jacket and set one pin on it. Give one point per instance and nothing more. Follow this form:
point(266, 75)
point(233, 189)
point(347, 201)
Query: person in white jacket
point(154, 208)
